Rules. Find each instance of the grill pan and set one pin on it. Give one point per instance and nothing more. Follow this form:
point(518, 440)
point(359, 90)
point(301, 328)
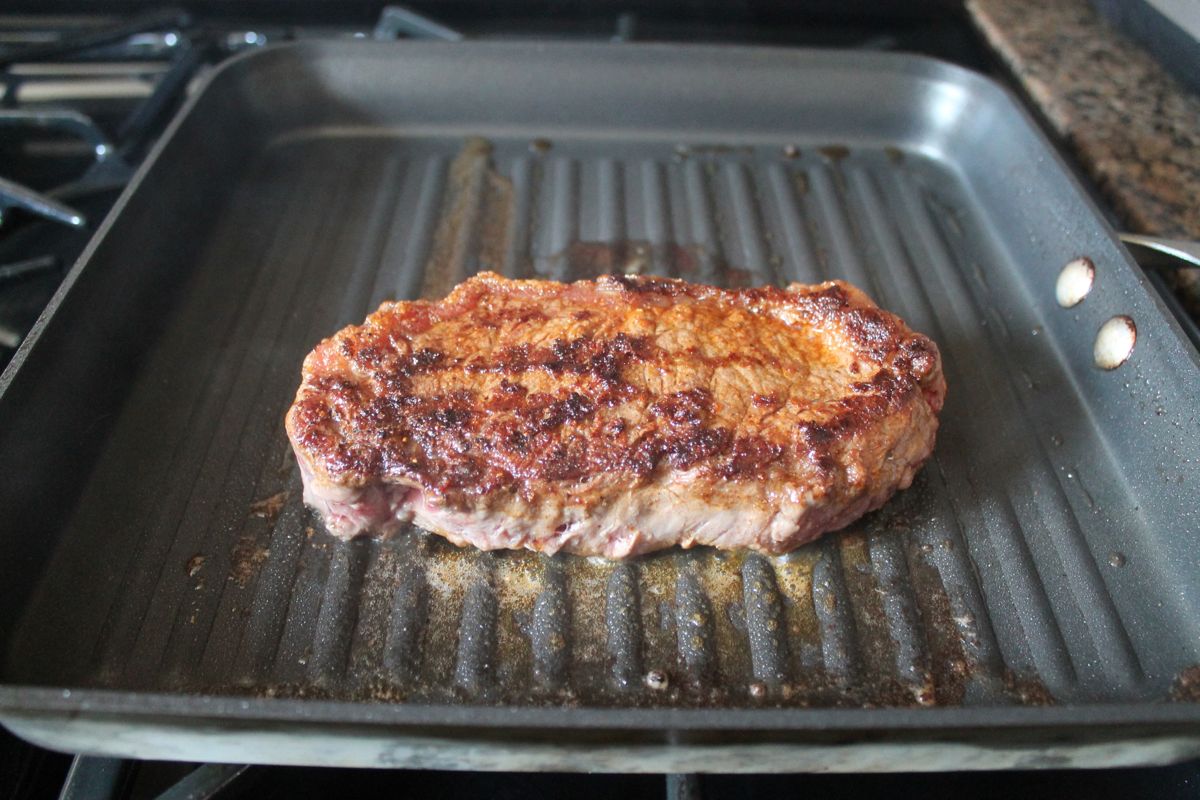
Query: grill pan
point(1033, 600)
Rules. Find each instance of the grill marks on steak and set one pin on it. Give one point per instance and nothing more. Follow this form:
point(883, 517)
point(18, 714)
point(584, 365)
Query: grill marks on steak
point(616, 416)
point(454, 442)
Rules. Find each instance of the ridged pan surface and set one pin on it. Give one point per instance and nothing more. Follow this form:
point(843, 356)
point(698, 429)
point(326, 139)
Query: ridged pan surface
point(1038, 559)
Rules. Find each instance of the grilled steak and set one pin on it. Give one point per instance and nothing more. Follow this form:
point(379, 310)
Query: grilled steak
point(616, 416)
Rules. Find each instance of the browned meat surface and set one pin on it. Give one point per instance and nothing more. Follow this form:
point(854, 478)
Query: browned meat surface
point(616, 416)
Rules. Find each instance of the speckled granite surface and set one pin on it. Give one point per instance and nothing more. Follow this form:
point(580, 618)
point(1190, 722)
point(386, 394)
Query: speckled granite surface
point(1133, 126)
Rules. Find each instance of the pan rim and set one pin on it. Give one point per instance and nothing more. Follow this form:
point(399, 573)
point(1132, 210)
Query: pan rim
point(20, 700)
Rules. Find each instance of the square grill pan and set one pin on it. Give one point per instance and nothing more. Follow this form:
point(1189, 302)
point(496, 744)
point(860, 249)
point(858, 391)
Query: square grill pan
point(1033, 600)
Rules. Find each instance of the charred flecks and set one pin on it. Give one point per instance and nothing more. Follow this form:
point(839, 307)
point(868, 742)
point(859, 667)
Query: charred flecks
point(817, 441)
point(310, 413)
point(342, 458)
point(685, 441)
point(687, 408)
point(586, 356)
point(689, 449)
point(599, 358)
point(638, 458)
point(397, 457)
point(461, 442)
point(873, 330)
point(516, 441)
point(512, 360)
point(887, 388)
point(577, 407)
point(565, 461)
point(340, 393)
point(554, 413)
point(748, 457)
point(368, 356)
point(448, 419)
point(567, 354)
point(509, 397)
point(917, 355)
point(823, 304)
point(441, 422)
point(424, 360)
point(376, 355)
point(813, 434)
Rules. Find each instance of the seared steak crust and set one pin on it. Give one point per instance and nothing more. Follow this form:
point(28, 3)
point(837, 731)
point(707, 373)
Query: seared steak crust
point(616, 416)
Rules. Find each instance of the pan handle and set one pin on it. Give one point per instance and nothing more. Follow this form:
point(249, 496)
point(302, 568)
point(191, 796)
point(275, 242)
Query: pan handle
point(1158, 253)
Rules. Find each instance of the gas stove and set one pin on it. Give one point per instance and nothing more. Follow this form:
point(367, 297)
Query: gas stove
point(86, 97)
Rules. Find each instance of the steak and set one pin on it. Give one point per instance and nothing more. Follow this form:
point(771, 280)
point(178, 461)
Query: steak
point(616, 416)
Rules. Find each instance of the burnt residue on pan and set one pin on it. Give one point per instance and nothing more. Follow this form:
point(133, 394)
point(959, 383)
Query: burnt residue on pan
point(834, 152)
point(434, 623)
point(246, 559)
point(269, 507)
point(1186, 688)
point(948, 665)
point(1028, 690)
point(474, 220)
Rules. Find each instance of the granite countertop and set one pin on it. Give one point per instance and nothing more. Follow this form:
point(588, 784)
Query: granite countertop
point(1134, 128)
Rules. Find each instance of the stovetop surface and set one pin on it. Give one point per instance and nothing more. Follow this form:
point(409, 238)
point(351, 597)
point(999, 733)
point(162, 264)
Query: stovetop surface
point(126, 70)
point(27, 772)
